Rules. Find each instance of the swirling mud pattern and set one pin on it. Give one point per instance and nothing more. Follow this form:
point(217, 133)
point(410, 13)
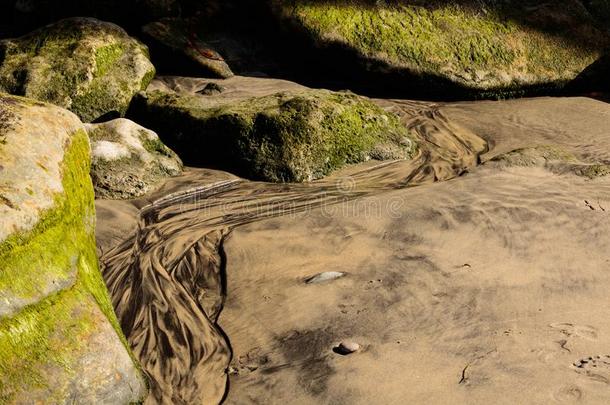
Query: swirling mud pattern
point(167, 280)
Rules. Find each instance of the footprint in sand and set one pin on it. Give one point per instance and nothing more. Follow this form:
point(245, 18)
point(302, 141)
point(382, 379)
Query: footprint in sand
point(568, 393)
point(595, 367)
point(580, 331)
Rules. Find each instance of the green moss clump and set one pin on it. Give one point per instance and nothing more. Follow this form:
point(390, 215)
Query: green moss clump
point(148, 77)
point(154, 145)
point(55, 243)
point(106, 57)
point(41, 338)
point(62, 240)
point(484, 48)
point(283, 137)
point(592, 171)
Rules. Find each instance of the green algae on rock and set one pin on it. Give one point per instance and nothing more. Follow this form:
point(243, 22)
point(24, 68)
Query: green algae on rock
point(483, 48)
point(59, 337)
point(85, 65)
point(128, 160)
point(284, 137)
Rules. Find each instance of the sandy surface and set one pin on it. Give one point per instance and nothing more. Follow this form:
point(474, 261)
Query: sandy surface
point(488, 287)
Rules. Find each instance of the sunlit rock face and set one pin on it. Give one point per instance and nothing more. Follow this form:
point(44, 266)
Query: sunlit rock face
point(128, 160)
point(472, 48)
point(59, 338)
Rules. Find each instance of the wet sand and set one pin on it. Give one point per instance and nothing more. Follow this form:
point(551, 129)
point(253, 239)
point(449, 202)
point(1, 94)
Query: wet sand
point(483, 279)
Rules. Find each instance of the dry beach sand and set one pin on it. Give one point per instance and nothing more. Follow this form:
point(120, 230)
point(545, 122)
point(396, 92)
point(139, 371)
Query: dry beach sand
point(473, 274)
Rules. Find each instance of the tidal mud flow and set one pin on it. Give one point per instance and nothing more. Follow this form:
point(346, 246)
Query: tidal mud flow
point(167, 281)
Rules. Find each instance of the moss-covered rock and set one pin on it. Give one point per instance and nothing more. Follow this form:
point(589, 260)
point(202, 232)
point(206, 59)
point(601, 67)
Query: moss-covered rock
point(480, 47)
point(178, 36)
point(128, 160)
point(553, 158)
point(85, 65)
point(59, 338)
point(289, 136)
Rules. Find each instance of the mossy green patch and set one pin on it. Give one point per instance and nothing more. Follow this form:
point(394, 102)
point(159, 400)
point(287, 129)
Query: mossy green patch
point(153, 144)
point(148, 77)
point(479, 47)
point(106, 57)
point(592, 171)
point(62, 240)
point(44, 337)
point(87, 66)
point(54, 246)
point(283, 137)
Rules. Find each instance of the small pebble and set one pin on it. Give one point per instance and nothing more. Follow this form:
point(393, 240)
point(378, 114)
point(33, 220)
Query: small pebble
point(347, 347)
point(326, 276)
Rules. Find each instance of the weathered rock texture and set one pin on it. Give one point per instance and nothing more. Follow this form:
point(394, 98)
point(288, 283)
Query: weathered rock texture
point(88, 66)
point(128, 160)
point(291, 136)
point(60, 341)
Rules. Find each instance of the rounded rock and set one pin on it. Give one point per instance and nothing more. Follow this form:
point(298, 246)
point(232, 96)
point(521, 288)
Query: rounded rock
point(347, 347)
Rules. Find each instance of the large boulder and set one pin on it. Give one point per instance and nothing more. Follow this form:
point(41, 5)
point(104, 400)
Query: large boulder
point(90, 67)
point(128, 160)
point(288, 136)
point(60, 340)
point(446, 48)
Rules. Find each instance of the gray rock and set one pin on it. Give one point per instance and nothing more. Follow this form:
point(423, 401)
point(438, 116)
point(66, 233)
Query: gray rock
point(128, 160)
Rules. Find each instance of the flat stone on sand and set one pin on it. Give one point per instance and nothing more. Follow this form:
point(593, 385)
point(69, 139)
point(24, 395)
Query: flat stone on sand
point(326, 276)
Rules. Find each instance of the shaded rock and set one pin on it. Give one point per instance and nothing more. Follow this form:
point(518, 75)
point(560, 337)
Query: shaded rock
point(288, 136)
point(85, 65)
point(326, 276)
point(177, 35)
point(30, 14)
point(447, 48)
point(594, 79)
point(128, 160)
point(60, 340)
